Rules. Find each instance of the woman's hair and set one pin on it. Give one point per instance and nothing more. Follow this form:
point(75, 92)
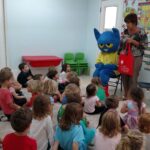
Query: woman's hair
point(144, 123)
point(137, 95)
point(41, 107)
point(91, 90)
point(112, 102)
point(131, 18)
point(110, 126)
point(52, 72)
point(96, 81)
point(64, 67)
point(35, 86)
point(49, 87)
point(72, 115)
point(132, 141)
point(72, 93)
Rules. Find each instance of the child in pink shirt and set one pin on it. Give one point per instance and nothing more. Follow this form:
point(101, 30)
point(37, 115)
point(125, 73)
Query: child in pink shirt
point(6, 99)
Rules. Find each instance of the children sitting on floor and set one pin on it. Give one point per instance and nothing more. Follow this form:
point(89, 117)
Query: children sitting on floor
point(134, 106)
point(108, 135)
point(42, 126)
point(92, 105)
point(19, 140)
point(6, 100)
point(24, 75)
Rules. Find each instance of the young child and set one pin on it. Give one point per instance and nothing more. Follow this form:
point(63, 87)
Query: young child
point(6, 99)
point(144, 127)
point(50, 89)
point(20, 122)
point(35, 87)
point(15, 90)
point(63, 74)
point(53, 75)
point(92, 104)
point(69, 134)
point(108, 135)
point(42, 127)
point(100, 91)
point(133, 107)
point(70, 90)
point(132, 141)
point(38, 77)
point(24, 75)
point(63, 82)
point(111, 103)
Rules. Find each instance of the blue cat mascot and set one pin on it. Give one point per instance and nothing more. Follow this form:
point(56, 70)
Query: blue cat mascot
point(106, 63)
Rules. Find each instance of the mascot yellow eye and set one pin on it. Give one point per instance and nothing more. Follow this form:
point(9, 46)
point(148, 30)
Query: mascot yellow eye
point(100, 45)
point(109, 45)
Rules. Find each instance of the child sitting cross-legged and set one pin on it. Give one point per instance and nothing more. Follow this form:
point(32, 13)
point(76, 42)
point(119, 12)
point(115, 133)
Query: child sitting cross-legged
point(92, 105)
point(19, 140)
point(69, 133)
point(42, 127)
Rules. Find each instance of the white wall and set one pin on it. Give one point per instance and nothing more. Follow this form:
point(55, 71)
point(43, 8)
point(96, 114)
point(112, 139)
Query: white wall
point(44, 27)
point(93, 22)
point(2, 38)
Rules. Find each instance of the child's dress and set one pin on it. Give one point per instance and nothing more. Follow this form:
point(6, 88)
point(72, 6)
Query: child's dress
point(131, 118)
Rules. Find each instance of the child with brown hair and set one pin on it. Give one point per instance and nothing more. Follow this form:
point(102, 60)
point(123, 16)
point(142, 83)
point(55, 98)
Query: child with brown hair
point(69, 134)
point(108, 135)
point(35, 87)
point(144, 127)
point(19, 140)
point(133, 107)
point(53, 75)
point(92, 105)
point(132, 141)
point(42, 126)
point(112, 102)
point(6, 99)
point(100, 91)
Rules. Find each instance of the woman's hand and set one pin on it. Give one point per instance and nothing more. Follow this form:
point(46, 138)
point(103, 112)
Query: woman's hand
point(134, 42)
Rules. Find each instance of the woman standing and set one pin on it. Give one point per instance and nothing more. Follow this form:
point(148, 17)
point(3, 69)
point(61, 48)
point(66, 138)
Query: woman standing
point(137, 38)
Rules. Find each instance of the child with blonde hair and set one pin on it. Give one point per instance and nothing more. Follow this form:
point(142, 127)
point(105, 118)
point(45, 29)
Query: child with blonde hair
point(132, 141)
point(35, 87)
point(108, 135)
point(144, 127)
point(134, 106)
point(100, 91)
point(42, 126)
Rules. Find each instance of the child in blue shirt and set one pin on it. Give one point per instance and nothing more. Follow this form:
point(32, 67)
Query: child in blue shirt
point(69, 134)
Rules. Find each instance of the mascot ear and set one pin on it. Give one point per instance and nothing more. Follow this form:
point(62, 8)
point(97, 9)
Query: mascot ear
point(97, 34)
point(116, 33)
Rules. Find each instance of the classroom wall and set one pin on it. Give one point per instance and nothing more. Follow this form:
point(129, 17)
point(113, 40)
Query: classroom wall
point(44, 27)
point(93, 21)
